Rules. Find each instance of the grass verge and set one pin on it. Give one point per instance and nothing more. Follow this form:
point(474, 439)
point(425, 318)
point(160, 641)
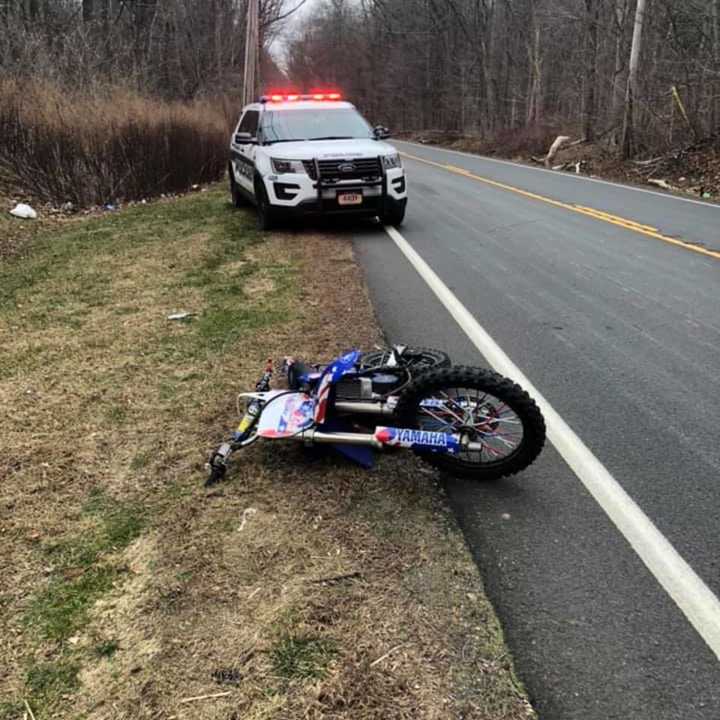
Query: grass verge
point(300, 588)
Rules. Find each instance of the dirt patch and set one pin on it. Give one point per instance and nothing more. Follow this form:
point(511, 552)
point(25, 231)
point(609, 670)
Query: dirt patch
point(302, 587)
point(259, 286)
point(120, 638)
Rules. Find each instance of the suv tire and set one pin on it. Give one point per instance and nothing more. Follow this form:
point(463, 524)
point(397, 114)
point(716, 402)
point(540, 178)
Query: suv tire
point(236, 197)
point(267, 219)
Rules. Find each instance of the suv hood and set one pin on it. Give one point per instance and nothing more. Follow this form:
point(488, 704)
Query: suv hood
point(327, 149)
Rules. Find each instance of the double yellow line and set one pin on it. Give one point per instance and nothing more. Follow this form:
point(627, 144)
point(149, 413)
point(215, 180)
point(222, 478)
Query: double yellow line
point(581, 209)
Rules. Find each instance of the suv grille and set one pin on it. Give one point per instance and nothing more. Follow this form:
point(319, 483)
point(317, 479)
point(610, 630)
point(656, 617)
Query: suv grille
point(344, 169)
point(349, 169)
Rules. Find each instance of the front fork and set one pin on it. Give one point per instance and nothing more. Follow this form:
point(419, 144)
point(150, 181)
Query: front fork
point(243, 435)
point(420, 441)
point(217, 464)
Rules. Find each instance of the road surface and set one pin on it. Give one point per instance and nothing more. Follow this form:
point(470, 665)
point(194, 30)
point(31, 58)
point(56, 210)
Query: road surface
point(607, 298)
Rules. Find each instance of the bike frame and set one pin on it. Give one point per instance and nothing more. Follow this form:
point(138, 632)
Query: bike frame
point(313, 431)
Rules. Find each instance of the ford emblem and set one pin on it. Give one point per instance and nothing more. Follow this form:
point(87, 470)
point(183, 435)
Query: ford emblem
point(346, 167)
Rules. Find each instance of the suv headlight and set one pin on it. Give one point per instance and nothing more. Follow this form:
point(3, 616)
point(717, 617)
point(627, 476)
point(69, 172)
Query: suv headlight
point(391, 161)
point(282, 167)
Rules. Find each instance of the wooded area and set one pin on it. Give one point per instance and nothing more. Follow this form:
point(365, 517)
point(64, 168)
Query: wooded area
point(485, 66)
point(640, 76)
point(178, 49)
point(108, 100)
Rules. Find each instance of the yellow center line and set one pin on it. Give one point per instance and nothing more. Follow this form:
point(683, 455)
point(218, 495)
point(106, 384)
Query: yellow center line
point(608, 216)
point(647, 230)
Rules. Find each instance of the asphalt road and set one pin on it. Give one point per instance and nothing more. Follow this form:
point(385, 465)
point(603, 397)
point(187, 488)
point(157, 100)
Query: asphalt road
point(620, 331)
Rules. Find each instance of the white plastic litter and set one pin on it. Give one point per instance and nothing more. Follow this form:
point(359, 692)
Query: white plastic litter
point(180, 316)
point(247, 514)
point(24, 211)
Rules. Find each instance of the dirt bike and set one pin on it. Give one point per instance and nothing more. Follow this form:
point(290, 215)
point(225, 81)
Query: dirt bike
point(468, 421)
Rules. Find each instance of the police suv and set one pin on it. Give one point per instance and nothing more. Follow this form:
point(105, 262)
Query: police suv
point(314, 155)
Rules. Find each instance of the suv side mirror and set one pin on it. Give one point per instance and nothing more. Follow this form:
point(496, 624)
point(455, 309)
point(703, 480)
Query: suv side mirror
point(381, 132)
point(244, 138)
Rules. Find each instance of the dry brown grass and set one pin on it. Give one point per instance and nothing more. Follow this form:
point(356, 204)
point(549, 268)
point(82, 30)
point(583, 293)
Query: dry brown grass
point(100, 147)
point(303, 586)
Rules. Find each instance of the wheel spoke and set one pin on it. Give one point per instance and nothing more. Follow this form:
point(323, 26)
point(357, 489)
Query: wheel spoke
point(480, 416)
point(435, 417)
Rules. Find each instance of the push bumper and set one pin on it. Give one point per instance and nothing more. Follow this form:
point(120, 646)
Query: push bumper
point(295, 194)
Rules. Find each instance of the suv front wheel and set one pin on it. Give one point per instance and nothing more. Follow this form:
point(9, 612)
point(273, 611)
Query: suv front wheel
point(236, 197)
point(266, 215)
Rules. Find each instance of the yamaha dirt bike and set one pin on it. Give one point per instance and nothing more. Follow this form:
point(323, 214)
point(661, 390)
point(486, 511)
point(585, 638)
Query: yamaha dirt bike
point(465, 420)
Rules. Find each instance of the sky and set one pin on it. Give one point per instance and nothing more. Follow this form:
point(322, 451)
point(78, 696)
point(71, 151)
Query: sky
point(277, 49)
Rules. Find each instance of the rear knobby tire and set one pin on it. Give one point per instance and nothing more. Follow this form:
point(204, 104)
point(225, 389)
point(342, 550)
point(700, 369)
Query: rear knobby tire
point(533, 424)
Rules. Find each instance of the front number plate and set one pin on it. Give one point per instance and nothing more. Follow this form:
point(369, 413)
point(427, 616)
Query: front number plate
point(349, 199)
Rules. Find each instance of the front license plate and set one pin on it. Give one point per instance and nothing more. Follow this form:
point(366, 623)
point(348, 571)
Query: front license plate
point(349, 199)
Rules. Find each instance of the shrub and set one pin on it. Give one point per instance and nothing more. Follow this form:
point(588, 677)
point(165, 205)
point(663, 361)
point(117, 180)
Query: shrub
point(99, 147)
point(529, 140)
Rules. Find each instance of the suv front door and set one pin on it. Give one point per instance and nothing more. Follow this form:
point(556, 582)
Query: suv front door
point(244, 146)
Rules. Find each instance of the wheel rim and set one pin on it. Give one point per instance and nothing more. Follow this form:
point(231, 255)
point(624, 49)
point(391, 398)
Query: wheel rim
point(477, 415)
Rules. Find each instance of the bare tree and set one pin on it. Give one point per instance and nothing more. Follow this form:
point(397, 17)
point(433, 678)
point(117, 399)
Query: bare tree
point(631, 94)
point(506, 68)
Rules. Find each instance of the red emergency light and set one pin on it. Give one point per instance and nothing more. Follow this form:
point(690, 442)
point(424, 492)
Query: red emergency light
point(277, 97)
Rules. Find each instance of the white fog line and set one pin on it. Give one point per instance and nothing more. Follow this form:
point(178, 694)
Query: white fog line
point(564, 175)
point(690, 593)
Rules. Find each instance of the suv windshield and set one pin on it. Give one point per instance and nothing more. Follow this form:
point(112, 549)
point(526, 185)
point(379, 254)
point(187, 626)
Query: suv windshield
point(320, 124)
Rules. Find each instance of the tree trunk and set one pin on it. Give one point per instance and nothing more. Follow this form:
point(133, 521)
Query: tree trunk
point(88, 10)
point(593, 16)
point(621, 10)
point(628, 144)
point(715, 86)
point(489, 78)
point(534, 113)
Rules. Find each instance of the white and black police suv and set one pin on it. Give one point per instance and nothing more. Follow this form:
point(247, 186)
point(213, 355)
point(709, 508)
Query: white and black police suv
point(314, 154)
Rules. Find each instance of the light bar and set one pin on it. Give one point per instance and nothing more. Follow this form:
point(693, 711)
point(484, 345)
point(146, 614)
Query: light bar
point(294, 97)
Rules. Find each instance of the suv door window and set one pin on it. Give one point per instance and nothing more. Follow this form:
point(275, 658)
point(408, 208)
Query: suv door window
point(249, 123)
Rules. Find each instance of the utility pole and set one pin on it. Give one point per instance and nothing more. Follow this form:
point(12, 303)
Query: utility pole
point(252, 53)
point(628, 141)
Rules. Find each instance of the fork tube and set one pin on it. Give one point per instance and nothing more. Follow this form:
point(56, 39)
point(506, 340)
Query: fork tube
point(339, 438)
